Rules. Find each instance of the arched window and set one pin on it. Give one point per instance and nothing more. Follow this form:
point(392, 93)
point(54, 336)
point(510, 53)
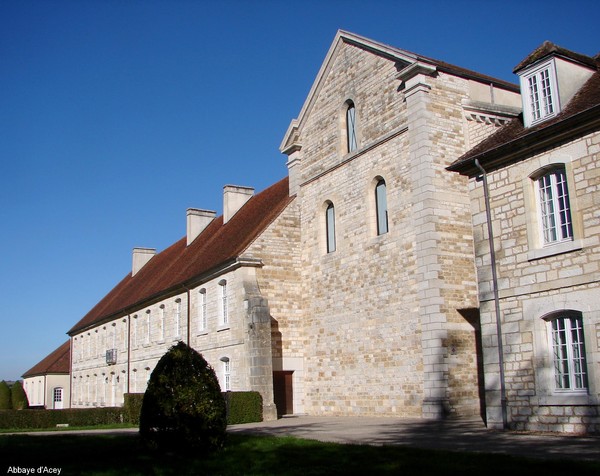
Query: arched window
point(381, 207)
point(224, 307)
point(568, 350)
point(330, 227)
point(554, 208)
point(352, 143)
point(148, 326)
point(161, 324)
point(202, 317)
point(177, 318)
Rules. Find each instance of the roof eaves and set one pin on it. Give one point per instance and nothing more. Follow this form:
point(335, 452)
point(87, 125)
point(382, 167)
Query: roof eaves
point(524, 145)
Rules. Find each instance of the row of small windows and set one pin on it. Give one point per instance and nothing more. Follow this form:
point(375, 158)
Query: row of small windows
point(143, 332)
point(94, 389)
point(381, 210)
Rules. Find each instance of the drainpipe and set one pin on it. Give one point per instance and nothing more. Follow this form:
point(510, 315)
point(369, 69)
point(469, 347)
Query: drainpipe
point(496, 298)
point(128, 353)
point(189, 315)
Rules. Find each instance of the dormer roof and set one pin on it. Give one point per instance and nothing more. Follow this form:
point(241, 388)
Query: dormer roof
point(547, 49)
point(515, 142)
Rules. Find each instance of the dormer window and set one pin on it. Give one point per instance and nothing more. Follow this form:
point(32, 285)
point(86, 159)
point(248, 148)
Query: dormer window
point(540, 93)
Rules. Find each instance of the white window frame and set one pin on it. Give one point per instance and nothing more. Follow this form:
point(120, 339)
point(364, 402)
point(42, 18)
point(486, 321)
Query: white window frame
point(226, 366)
point(554, 207)
point(539, 88)
point(567, 348)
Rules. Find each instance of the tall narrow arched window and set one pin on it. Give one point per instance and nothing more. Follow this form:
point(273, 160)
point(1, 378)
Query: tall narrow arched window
point(224, 307)
point(381, 207)
point(226, 364)
point(202, 316)
point(352, 143)
point(330, 227)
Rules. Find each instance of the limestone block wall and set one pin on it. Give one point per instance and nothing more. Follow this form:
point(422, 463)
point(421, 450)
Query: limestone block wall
point(384, 334)
point(278, 279)
point(535, 280)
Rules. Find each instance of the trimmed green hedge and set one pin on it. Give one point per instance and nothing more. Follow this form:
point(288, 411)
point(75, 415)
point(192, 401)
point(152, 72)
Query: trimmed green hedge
point(24, 419)
point(243, 407)
point(133, 407)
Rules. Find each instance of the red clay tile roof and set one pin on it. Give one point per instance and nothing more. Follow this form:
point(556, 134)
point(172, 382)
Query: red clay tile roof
point(514, 141)
point(179, 264)
point(58, 362)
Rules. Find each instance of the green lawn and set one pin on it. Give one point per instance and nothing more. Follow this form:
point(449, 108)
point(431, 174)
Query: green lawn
point(252, 455)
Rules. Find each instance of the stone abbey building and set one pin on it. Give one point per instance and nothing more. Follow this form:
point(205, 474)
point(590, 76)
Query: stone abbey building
point(361, 284)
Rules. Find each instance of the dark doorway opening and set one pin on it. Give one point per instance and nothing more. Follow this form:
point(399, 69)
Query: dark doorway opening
point(283, 392)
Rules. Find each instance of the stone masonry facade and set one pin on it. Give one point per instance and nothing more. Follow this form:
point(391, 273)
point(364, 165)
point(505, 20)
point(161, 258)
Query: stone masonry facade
point(533, 283)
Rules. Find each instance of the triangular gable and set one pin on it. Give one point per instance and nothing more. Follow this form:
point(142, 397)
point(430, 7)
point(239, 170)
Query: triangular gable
point(394, 54)
point(290, 140)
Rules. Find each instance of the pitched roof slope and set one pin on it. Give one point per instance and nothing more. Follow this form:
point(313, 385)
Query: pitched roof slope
point(516, 139)
point(179, 264)
point(58, 362)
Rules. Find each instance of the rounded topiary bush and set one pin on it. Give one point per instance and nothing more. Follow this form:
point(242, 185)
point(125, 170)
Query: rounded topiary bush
point(18, 396)
point(183, 407)
point(5, 403)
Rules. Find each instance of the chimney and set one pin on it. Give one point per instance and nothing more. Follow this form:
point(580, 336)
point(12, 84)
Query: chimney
point(140, 257)
point(197, 221)
point(234, 198)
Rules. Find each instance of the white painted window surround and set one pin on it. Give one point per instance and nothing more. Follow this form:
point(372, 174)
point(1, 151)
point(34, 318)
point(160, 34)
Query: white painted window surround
point(540, 93)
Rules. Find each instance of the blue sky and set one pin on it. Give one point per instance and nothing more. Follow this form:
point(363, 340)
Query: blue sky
point(117, 116)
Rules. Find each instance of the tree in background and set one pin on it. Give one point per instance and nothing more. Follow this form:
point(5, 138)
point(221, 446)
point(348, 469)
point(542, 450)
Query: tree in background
point(18, 396)
point(183, 407)
point(5, 403)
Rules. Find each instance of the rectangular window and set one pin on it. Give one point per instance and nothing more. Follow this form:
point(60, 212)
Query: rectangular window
point(569, 353)
point(540, 95)
point(555, 211)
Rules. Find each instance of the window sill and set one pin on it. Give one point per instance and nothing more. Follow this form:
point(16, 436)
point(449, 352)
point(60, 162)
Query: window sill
point(567, 398)
point(202, 333)
point(556, 249)
point(224, 327)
